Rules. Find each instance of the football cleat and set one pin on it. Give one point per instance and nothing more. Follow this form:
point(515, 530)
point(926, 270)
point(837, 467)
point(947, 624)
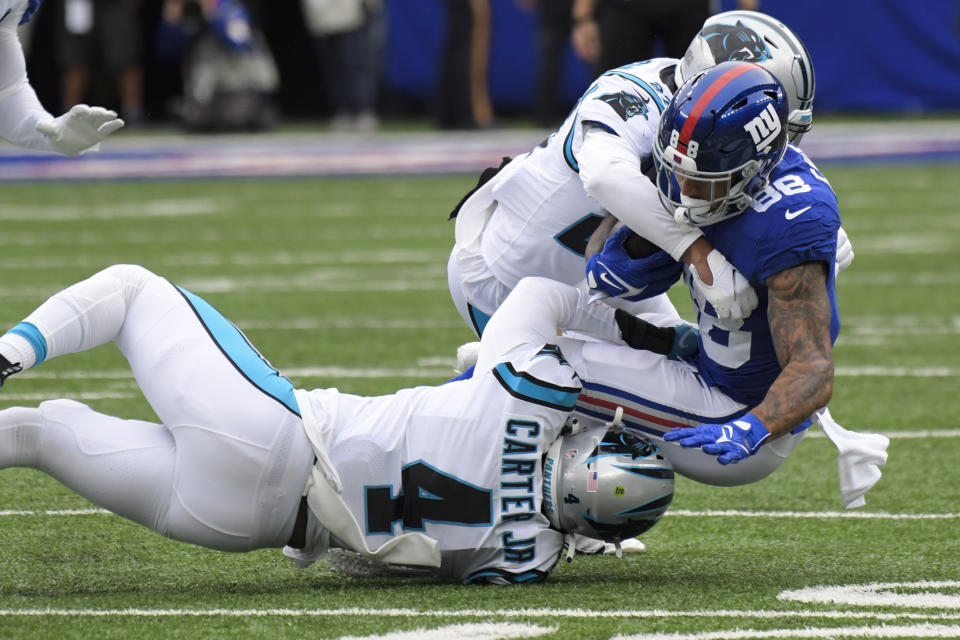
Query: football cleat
point(8, 368)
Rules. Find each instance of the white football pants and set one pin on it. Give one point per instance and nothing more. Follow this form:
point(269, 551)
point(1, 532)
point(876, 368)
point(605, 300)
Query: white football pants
point(227, 464)
point(658, 395)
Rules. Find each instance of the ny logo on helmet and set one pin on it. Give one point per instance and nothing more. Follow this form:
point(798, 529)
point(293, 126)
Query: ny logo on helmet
point(764, 129)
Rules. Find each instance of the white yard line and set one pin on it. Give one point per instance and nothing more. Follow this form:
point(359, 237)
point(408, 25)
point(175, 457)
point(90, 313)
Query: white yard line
point(882, 631)
point(821, 515)
point(471, 613)
point(466, 631)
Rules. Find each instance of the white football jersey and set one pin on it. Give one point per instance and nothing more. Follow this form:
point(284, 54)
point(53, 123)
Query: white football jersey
point(462, 462)
point(544, 215)
point(11, 11)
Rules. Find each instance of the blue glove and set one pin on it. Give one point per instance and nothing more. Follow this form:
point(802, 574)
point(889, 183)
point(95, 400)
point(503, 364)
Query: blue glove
point(618, 275)
point(32, 7)
point(686, 342)
point(231, 23)
point(731, 442)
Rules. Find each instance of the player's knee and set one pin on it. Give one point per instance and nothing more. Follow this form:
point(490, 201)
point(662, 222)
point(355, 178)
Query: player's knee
point(132, 278)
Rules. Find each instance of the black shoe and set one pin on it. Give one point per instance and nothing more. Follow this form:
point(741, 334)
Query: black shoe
point(8, 368)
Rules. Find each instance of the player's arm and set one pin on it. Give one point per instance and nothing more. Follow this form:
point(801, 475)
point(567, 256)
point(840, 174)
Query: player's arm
point(20, 109)
point(25, 123)
point(799, 315)
point(611, 171)
point(533, 314)
point(798, 311)
point(612, 175)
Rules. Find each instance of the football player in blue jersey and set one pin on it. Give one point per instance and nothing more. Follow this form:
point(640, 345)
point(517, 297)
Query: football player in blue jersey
point(23, 120)
point(535, 216)
point(724, 166)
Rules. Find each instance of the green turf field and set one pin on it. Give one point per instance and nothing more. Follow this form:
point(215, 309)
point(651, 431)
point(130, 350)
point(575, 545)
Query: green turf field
point(342, 282)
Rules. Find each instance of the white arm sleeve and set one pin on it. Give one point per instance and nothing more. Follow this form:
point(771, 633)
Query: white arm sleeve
point(20, 110)
point(535, 311)
point(611, 174)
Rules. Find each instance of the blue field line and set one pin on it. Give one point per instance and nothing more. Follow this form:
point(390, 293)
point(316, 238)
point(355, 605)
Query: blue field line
point(318, 154)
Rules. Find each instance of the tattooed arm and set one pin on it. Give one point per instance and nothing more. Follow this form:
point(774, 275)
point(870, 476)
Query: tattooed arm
point(798, 310)
point(799, 315)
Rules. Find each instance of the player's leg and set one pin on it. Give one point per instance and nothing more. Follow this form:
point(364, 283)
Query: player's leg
point(475, 291)
point(126, 466)
point(236, 454)
point(201, 488)
point(659, 310)
point(657, 395)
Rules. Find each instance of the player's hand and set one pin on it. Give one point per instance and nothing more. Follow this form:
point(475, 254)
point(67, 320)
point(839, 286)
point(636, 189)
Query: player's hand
point(585, 37)
point(730, 442)
point(80, 129)
point(731, 295)
point(844, 250)
point(615, 274)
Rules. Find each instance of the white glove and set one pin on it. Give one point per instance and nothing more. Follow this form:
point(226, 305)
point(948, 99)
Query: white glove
point(844, 250)
point(80, 129)
point(730, 294)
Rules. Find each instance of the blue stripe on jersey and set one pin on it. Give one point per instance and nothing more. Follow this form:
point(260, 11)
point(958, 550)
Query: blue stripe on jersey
point(605, 127)
point(568, 141)
point(29, 332)
point(620, 393)
point(526, 387)
point(242, 354)
point(641, 83)
point(479, 319)
point(568, 152)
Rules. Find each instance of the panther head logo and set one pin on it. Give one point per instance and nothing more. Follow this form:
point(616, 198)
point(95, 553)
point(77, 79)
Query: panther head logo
point(625, 104)
point(736, 42)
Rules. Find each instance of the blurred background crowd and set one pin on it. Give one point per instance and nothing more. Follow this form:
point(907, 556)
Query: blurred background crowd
point(227, 65)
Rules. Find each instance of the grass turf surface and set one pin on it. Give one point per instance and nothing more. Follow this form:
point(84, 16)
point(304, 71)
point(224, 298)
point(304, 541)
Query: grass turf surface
point(342, 283)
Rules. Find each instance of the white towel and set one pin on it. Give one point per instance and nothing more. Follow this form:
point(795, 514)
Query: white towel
point(859, 458)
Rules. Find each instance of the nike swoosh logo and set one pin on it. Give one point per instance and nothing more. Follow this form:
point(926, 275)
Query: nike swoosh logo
point(790, 215)
point(620, 285)
point(613, 283)
point(6, 14)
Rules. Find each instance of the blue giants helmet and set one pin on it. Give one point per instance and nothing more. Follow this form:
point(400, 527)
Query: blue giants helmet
point(725, 128)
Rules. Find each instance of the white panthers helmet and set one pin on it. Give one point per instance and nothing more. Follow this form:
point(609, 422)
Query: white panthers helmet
point(756, 37)
point(610, 485)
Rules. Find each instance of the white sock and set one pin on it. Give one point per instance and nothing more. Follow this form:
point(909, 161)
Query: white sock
point(16, 348)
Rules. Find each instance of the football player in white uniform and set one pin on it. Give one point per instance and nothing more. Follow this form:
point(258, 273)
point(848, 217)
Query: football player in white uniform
point(467, 479)
point(23, 120)
point(723, 162)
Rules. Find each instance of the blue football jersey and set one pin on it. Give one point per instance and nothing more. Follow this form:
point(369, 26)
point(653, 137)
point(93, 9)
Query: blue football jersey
point(792, 221)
